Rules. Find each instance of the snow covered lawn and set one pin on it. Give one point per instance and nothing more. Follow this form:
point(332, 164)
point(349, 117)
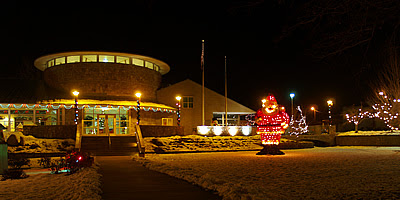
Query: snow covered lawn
point(318, 173)
point(366, 133)
point(82, 185)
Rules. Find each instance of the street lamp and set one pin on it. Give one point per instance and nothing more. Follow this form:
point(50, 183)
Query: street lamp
point(138, 95)
point(76, 93)
point(313, 109)
point(291, 98)
point(178, 113)
point(330, 104)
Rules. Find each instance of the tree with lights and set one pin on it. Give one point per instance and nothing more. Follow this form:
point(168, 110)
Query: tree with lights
point(298, 123)
point(386, 91)
point(386, 110)
point(355, 116)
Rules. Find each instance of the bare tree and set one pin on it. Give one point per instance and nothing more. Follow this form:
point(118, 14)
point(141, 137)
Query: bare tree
point(335, 26)
point(385, 96)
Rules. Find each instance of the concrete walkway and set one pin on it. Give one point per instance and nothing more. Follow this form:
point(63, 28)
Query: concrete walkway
point(127, 179)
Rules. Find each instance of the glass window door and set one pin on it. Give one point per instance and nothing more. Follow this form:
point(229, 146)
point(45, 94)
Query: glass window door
point(106, 124)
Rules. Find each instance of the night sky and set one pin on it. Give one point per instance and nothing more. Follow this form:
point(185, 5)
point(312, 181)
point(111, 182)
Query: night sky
point(250, 33)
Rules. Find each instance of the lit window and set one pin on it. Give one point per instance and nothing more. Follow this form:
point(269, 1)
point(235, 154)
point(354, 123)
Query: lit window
point(89, 58)
point(156, 67)
point(137, 62)
point(73, 59)
point(60, 61)
point(104, 58)
point(149, 65)
point(124, 60)
point(167, 121)
point(187, 102)
point(50, 63)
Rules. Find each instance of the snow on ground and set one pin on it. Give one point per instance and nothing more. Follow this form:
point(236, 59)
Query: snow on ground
point(193, 143)
point(318, 173)
point(39, 145)
point(82, 185)
point(366, 133)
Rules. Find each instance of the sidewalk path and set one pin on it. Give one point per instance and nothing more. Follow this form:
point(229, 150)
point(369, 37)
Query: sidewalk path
point(127, 179)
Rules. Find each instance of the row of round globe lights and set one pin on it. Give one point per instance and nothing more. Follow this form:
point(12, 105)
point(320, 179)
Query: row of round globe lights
point(218, 130)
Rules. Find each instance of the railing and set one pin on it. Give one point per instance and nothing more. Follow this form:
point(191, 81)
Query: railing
point(140, 141)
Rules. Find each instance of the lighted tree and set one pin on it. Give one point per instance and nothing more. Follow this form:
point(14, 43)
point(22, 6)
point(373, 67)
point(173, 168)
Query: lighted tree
point(355, 116)
point(386, 90)
point(386, 112)
point(298, 123)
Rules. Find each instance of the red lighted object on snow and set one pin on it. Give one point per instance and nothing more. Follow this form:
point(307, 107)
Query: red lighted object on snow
point(271, 120)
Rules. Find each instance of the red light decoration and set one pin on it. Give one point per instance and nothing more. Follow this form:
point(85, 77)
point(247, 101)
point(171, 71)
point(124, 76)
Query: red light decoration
point(271, 120)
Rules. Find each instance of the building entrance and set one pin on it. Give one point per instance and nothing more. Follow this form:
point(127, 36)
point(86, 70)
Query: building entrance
point(104, 121)
point(106, 124)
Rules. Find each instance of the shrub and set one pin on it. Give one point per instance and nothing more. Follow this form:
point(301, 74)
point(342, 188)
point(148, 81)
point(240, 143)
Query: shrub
point(76, 160)
point(44, 162)
point(16, 171)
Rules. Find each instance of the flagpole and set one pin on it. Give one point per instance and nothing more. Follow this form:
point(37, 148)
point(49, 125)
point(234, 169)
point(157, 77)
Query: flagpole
point(202, 86)
point(226, 96)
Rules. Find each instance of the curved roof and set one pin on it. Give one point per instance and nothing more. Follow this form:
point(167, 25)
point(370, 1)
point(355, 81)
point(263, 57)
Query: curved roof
point(40, 62)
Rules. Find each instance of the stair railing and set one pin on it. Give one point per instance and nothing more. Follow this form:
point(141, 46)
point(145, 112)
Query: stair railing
point(140, 141)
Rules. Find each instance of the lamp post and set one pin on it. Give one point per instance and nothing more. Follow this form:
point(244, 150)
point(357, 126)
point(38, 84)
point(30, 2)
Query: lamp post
point(76, 93)
point(291, 100)
point(313, 109)
point(330, 104)
point(138, 95)
point(178, 113)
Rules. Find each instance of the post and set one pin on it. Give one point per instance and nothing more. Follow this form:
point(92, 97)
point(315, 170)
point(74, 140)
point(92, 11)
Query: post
point(226, 96)
point(330, 104)
point(178, 113)
point(3, 153)
point(291, 100)
point(202, 86)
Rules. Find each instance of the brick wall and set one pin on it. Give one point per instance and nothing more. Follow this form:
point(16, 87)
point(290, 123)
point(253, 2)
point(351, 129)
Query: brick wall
point(51, 132)
point(104, 79)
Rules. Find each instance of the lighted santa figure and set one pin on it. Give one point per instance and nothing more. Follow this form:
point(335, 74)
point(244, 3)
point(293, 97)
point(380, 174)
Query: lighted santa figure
point(272, 121)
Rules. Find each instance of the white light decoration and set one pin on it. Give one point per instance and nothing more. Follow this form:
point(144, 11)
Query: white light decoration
point(298, 126)
point(385, 113)
point(203, 130)
point(217, 130)
point(246, 130)
point(233, 130)
point(356, 118)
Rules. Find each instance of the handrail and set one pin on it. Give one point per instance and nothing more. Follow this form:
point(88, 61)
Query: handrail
point(140, 141)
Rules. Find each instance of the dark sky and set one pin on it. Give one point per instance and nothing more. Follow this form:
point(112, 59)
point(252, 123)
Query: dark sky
point(244, 31)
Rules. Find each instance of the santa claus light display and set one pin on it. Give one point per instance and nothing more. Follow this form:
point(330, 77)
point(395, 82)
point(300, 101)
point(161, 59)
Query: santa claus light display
point(271, 120)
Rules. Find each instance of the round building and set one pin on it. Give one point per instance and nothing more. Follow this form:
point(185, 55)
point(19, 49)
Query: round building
point(103, 75)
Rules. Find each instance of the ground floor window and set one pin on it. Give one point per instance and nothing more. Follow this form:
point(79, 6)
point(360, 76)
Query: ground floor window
point(167, 122)
point(105, 121)
point(12, 118)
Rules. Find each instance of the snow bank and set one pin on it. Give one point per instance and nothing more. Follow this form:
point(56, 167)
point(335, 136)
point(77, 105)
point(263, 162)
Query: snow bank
point(318, 173)
point(366, 133)
point(38, 145)
point(82, 185)
point(195, 143)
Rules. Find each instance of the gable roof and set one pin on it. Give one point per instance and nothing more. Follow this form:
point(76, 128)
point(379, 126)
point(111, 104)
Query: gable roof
point(197, 87)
